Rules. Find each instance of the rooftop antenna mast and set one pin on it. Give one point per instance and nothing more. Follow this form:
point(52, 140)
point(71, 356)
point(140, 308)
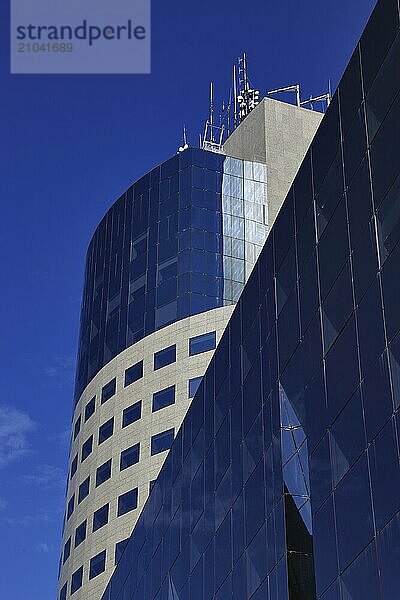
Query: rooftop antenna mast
point(323, 97)
point(185, 145)
point(290, 88)
point(248, 98)
point(209, 142)
point(235, 98)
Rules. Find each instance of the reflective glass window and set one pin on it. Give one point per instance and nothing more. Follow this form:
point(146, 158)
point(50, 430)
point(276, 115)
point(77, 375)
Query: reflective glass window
point(389, 558)
point(371, 333)
point(100, 517)
point(162, 441)
point(119, 549)
point(194, 386)
point(333, 249)
point(163, 398)
point(127, 502)
point(377, 396)
point(394, 358)
point(388, 221)
point(80, 534)
point(132, 413)
point(337, 307)
point(202, 343)
point(77, 427)
point(106, 430)
point(347, 437)
point(129, 457)
point(90, 408)
point(103, 473)
point(63, 592)
point(76, 580)
point(97, 564)
point(164, 357)
point(134, 373)
point(354, 527)
point(374, 46)
point(67, 550)
point(74, 466)
point(320, 473)
point(83, 489)
point(385, 475)
point(108, 390)
point(391, 292)
point(359, 202)
point(361, 579)
point(342, 372)
point(70, 506)
point(324, 538)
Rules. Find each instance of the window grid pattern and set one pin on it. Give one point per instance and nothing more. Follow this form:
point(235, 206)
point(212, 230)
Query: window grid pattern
point(287, 410)
point(191, 228)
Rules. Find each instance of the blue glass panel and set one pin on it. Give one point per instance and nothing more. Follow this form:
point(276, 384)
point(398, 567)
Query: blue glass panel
point(131, 414)
point(97, 564)
point(162, 441)
point(134, 373)
point(163, 398)
point(194, 385)
point(164, 357)
point(202, 343)
point(129, 457)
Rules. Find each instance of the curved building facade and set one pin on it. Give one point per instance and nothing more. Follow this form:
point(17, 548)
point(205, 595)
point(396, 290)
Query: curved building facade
point(164, 267)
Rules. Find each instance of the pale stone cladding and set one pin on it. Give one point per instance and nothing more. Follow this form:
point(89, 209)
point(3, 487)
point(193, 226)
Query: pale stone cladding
point(146, 470)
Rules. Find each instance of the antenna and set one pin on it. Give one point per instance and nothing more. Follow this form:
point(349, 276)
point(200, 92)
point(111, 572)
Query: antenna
point(185, 144)
point(248, 98)
point(290, 88)
point(208, 141)
point(323, 97)
point(235, 95)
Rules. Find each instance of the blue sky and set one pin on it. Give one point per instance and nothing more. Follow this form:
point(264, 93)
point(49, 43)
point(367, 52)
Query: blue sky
point(69, 146)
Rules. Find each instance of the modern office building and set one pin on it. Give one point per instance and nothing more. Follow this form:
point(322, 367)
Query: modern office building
point(284, 480)
point(164, 269)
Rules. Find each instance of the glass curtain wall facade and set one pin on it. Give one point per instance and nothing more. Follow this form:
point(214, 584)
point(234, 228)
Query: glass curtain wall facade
point(284, 479)
point(180, 241)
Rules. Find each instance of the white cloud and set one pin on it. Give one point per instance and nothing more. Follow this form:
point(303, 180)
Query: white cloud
point(46, 477)
point(15, 426)
point(44, 547)
point(61, 371)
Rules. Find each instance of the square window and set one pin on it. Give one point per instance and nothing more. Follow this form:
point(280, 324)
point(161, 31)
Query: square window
point(127, 502)
point(87, 448)
point(77, 427)
point(106, 430)
point(63, 593)
point(129, 457)
point(162, 441)
point(108, 390)
point(80, 534)
point(132, 414)
point(83, 489)
point(163, 398)
point(202, 343)
point(76, 581)
point(119, 549)
point(164, 357)
point(194, 386)
point(71, 505)
point(74, 466)
point(97, 564)
point(90, 408)
point(100, 517)
point(67, 550)
point(103, 473)
point(134, 373)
